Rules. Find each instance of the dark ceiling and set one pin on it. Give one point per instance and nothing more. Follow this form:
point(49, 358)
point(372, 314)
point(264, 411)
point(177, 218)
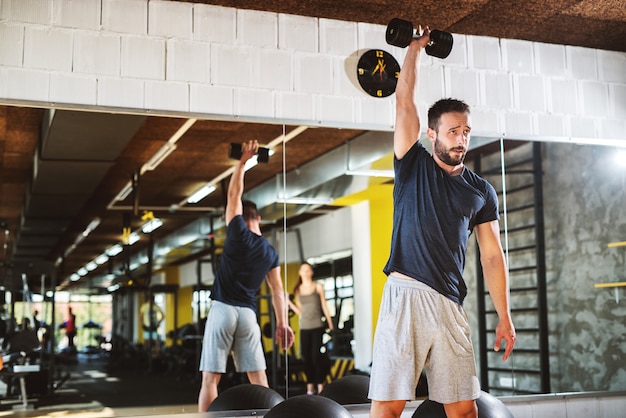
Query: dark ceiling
point(54, 182)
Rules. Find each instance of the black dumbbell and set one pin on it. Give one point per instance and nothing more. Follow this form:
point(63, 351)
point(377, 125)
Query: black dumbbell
point(234, 152)
point(400, 33)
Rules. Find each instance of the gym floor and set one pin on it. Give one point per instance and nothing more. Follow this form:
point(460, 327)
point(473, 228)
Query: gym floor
point(94, 389)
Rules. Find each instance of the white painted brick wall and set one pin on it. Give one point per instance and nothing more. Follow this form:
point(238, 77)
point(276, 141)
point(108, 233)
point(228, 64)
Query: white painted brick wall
point(12, 38)
point(83, 14)
point(372, 36)
point(222, 62)
point(582, 63)
point(518, 124)
point(484, 53)
point(257, 28)
point(617, 97)
point(274, 70)
point(337, 37)
point(72, 88)
point(488, 120)
point(463, 84)
point(458, 55)
point(298, 33)
point(346, 81)
point(143, 57)
point(170, 19)
point(431, 85)
point(612, 66)
point(187, 61)
point(551, 125)
point(563, 96)
point(204, 98)
point(127, 16)
point(121, 92)
point(161, 95)
point(335, 109)
point(254, 103)
point(530, 92)
point(550, 59)
point(214, 23)
point(296, 106)
point(20, 84)
point(517, 56)
point(496, 90)
point(48, 49)
point(612, 128)
point(582, 127)
point(314, 73)
point(594, 98)
point(27, 11)
point(96, 53)
point(231, 66)
point(375, 112)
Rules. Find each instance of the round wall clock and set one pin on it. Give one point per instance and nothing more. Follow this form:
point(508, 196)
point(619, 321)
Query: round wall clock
point(378, 72)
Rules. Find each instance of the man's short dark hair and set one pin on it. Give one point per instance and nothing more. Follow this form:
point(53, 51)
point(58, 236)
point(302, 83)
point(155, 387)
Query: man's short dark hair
point(250, 212)
point(445, 106)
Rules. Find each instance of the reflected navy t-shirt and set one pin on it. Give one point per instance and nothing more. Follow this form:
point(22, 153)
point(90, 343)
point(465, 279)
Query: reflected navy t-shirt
point(245, 261)
point(434, 215)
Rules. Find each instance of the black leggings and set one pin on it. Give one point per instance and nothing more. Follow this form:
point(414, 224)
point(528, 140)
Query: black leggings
point(311, 342)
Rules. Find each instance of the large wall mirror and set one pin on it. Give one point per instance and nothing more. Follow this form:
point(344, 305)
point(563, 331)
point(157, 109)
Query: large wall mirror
point(325, 197)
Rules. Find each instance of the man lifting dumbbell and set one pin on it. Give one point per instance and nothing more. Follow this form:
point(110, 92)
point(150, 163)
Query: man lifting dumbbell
point(437, 203)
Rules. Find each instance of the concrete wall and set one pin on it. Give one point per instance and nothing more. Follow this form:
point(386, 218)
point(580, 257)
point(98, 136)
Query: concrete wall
point(584, 196)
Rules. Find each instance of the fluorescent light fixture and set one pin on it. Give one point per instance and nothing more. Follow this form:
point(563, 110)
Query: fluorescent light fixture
point(371, 173)
point(92, 225)
point(101, 259)
point(114, 250)
point(82, 271)
point(306, 200)
point(151, 225)
point(113, 288)
point(203, 192)
point(123, 194)
point(74, 277)
point(133, 238)
point(91, 266)
point(158, 158)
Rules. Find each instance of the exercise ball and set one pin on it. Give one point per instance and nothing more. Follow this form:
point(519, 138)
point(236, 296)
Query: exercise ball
point(308, 406)
point(488, 407)
point(246, 396)
point(348, 390)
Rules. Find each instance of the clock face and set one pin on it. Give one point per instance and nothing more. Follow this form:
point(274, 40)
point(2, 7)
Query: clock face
point(378, 72)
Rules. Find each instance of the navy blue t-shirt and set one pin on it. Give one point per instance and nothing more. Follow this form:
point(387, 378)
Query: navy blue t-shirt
point(245, 261)
point(434, 215)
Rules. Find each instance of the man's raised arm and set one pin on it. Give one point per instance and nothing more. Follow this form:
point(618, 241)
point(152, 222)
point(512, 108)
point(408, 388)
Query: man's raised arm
point(234, 206)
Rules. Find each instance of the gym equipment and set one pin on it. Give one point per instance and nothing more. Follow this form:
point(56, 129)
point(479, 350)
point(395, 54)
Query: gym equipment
point(234, 152)
point(308, 406)
point(400, 33)
point(348, 390)
point(246, 396)
point(488, 407)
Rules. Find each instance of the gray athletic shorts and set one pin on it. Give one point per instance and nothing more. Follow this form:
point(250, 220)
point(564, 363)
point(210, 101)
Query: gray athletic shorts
point(419, 328)
point(231, 329)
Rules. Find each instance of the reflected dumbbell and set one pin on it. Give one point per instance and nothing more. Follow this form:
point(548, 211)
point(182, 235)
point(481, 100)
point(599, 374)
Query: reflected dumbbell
point(401, 33)
point(234, 152)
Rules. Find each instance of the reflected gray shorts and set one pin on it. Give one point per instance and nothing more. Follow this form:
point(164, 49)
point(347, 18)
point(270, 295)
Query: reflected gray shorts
point(231, 329)
point(419, 328)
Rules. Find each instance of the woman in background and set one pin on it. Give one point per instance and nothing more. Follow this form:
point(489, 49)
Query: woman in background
point(310, 304)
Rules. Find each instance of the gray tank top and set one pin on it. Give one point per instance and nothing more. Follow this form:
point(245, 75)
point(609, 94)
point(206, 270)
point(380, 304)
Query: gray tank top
point(311, 317)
